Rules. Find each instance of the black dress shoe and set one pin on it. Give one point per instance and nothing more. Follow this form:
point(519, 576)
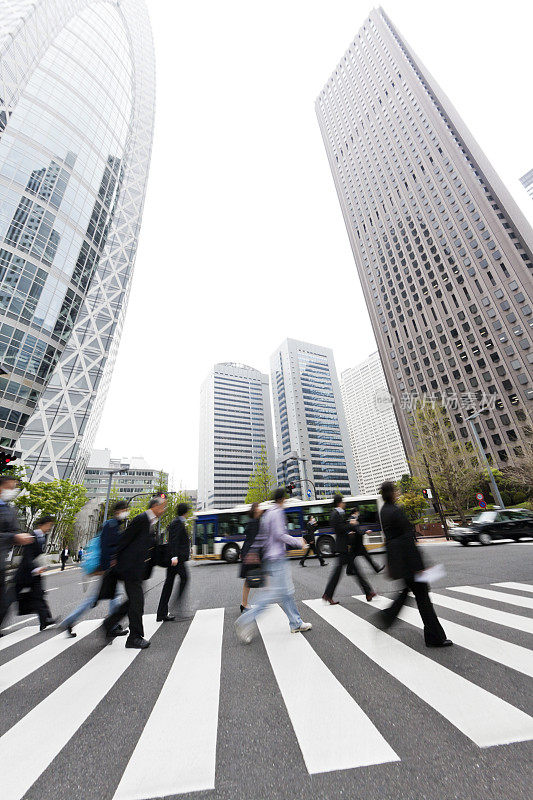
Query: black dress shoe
point(445, 643)
point(167, 618)
point(302, 564)
point(138, 643)
point(118, 630)
point(70, 633)
point(330, 600)
point(49, 621)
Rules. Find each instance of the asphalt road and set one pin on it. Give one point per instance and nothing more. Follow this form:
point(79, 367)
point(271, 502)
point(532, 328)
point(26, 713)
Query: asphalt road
point(297, 715)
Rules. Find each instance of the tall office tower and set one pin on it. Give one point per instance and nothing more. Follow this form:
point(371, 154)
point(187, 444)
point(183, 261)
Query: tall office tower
point(443, 253)
point(73, 169)
point(374, 434)
point(310, 422)
point(527, 182)
point(235, 424)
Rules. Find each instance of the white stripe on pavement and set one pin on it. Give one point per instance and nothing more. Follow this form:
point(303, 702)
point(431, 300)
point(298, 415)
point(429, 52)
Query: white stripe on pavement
point(484, 718)
point(57, 718)
point(481, 612)
point(181, 732)
point(520, 587)
point(506, 653)
point(488, 594)
point(18, 636)
point(19, 668)
point(333, 731)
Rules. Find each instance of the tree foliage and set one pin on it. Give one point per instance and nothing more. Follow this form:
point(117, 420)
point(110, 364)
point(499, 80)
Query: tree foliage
point(61, 498)
point(520, 471)
point(454, 466)
point(413, 504)
point(261, 482)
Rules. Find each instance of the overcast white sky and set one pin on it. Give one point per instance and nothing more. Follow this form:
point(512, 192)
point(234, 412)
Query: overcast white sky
point(243, 242)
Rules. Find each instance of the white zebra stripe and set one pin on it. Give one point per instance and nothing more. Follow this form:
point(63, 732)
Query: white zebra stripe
point(504, 618)
point(500, 597)
point(519, 587)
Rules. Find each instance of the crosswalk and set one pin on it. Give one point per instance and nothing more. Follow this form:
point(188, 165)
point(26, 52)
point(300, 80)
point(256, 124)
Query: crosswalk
point(333, 727)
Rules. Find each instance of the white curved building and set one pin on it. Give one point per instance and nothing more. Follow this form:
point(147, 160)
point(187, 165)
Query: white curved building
point(76, 119)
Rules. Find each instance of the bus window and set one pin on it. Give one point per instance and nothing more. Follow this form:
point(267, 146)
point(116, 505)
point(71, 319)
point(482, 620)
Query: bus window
point(321, 515)
point(368, 511)
point(293, 522)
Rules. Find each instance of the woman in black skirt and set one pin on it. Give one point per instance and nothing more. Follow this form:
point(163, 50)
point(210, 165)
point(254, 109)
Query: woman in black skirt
point(251, 532)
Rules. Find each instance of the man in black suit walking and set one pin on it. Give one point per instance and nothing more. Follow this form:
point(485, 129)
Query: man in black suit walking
point(179, 551)
point(135, 559)
point(343, 528)
point(9, 535)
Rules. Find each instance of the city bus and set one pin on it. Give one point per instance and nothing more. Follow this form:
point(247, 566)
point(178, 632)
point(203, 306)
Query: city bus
point(219, 534)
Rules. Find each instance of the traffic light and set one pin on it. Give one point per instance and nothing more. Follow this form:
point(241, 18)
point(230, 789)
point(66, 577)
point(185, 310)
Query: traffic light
point(290, 487)
point(425, 493)
point(5, 461)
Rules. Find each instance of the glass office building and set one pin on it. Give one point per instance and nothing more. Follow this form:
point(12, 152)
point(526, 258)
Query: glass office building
point(76, 117)
point(527, 182)
point(444, 254)
point(309, 420)
point(235, 425)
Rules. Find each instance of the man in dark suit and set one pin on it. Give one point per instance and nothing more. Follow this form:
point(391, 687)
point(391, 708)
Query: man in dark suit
point(343, 528)
point(134, 562)
point(178, 553)
point(9, 535)
point(405, 563)
point(28, 578)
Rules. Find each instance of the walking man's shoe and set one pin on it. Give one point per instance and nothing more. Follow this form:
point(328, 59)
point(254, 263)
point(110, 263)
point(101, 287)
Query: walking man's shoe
point(138, 643)
point(305, 626)
point(370, 596)
point(445, 643)
point(167, 618)
point(118, 630)
point(330, 600)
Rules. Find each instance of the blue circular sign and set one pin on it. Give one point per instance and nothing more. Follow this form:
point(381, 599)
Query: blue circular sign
point(309, 493)
point(482, 504)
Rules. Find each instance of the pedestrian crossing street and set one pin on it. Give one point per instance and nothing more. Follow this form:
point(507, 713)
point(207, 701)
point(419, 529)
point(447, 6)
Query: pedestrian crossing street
point(331, 728)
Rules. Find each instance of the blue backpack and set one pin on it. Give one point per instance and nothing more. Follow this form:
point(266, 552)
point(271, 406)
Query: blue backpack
point(91, 555)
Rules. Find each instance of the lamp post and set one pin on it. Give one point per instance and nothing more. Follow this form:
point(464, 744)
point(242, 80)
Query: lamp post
point(123, 468)
point(293, 456)
point(493, 484)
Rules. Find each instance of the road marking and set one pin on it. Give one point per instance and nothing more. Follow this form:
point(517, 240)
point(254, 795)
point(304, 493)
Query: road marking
point(520, 587)
point(56, 719)
point(481, 716)
point(332, 730)
point(19, 668)
point(501, 597)
point(181, 732)
point(505, 653)
point(504, 618)
point(52, 589)
point(22, 622)
point(84, 583)
point(18, 636)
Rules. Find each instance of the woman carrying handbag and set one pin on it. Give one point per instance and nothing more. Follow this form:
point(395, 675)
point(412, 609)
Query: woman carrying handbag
point(250, 533)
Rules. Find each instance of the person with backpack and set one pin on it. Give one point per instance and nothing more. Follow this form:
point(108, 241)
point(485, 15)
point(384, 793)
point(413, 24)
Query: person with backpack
point(100, 557)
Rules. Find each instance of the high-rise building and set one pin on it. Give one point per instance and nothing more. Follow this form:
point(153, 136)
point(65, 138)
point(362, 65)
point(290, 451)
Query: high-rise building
point(443, 253)
point(309, 420)
point(374, 434)
point(73, 170)
point(139, 479)
point(235, 425)
point(527, 182)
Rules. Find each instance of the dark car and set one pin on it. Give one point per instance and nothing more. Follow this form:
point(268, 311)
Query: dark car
point(506, 523)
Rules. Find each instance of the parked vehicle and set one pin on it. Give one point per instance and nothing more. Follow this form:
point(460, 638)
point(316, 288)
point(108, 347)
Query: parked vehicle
point(506, 523)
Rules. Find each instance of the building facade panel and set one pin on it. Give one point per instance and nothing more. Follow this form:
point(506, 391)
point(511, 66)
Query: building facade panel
point(235, 424)
point(309, 420)
point(443, 253)
point(374, 434)
point(527, 182)
point(73, 169)
point(140, 478)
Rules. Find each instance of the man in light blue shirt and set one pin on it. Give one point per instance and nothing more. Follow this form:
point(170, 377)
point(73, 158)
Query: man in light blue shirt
point(271, 540)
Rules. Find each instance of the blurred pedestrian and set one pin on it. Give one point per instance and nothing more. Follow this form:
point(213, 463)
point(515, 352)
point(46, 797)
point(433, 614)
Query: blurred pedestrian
point(63, 557)
point(179, 550)
point(309, 536)
point(404, 561)
point(10, 535)
point(108, 586)
point(344, 530)
point(271, 541)
point(80, 555)
point(135, 559)
point(357, 548)
point(29, 582)
point(250, 533)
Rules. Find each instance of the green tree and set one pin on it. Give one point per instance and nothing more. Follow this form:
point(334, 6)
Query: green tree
point(413, 504)
point(520, 470)
point(61, 498)
point(261, 482)
point(454, 466)
point(410, 483)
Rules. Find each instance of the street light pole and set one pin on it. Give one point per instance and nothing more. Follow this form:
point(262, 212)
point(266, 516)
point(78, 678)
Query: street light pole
point(123, 468)
point(493, 484)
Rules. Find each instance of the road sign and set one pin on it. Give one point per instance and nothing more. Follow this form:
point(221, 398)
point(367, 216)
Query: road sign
point(482, 504)
point(309, 493)
point(479, 496)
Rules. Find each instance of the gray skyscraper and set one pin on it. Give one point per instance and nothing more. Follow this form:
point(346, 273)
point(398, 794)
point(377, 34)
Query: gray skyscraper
point(527, 182)
point(235, 424)
point(443, 253)
point(309, 419)
point(73, 170)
